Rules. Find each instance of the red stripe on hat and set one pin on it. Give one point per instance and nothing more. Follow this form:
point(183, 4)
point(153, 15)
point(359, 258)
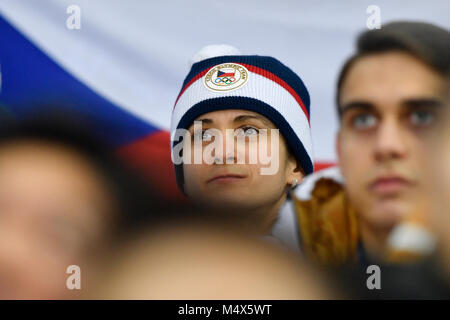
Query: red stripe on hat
point(198, 76)
point(281, 82)
point(267, 74)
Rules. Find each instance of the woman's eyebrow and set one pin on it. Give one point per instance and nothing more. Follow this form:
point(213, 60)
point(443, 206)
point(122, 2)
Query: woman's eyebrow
point(245, 117)
point(205, 120)
point(202, 120)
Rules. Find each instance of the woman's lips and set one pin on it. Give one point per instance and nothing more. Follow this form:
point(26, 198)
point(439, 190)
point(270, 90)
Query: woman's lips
point(388, 186)
point(225, 178)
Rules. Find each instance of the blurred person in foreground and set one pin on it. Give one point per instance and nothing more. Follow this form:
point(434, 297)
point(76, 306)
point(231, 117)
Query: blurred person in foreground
point(63, 197)
point(194, 259)
point(390, 94)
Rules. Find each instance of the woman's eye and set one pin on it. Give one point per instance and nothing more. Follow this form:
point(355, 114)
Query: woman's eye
point(251, 131)
point(421, 118)
point(247, 131)
point(203, 135)
point(364, 121)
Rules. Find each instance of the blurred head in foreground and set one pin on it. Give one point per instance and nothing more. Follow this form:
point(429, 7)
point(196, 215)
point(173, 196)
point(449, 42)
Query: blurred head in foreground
point(189, 260)
point(62, 196)
point(390, 94)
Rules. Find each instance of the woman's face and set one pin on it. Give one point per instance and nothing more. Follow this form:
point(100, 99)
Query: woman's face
point(53, 209)
point(252, 183)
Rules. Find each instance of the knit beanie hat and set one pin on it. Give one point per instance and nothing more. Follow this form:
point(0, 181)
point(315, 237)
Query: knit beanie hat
point(220, 78)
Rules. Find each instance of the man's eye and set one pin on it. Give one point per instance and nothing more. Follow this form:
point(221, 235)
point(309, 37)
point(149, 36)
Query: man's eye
point(421, 118)
point(247, 131)
point(364, 121)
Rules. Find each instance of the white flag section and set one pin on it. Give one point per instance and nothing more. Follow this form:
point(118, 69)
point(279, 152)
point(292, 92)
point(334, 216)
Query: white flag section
point(135, 54)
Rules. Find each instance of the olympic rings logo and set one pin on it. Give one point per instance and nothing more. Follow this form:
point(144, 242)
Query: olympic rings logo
point(224, 81)
point(226, 77)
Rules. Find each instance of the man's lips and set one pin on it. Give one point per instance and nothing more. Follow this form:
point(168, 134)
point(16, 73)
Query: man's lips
point(389, 185)
point(226, 178)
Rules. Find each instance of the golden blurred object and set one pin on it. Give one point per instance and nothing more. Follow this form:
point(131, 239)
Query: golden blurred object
point(328, 224)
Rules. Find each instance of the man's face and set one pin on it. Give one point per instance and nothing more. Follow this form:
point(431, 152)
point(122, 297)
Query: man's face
point(238, 186)
point(439, 185)
point(389, 104)
point(53, 209)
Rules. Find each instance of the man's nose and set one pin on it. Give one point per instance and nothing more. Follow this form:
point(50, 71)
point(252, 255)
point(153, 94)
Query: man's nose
point(390, 141)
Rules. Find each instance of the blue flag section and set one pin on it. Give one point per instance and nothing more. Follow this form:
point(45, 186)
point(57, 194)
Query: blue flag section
point(31, 80)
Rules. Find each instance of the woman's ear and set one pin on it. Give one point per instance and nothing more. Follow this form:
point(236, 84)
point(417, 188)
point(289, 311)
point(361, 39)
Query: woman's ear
point(294, 171)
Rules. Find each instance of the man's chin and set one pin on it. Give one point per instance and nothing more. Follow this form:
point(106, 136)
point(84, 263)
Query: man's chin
point(388, 212)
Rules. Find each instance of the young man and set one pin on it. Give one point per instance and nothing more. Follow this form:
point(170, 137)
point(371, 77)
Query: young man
point(390, 94)
point(237, 104)
point(439, 189)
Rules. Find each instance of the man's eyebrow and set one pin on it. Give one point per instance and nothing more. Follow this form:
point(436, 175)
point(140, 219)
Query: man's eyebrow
point(362, 105)
point(423, 102)
point(245, 117)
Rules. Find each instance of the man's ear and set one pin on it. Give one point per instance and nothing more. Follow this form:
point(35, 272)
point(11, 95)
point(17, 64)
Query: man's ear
point(338, 145)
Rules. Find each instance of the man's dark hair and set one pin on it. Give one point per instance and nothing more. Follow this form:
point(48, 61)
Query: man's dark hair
point(425, 41)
